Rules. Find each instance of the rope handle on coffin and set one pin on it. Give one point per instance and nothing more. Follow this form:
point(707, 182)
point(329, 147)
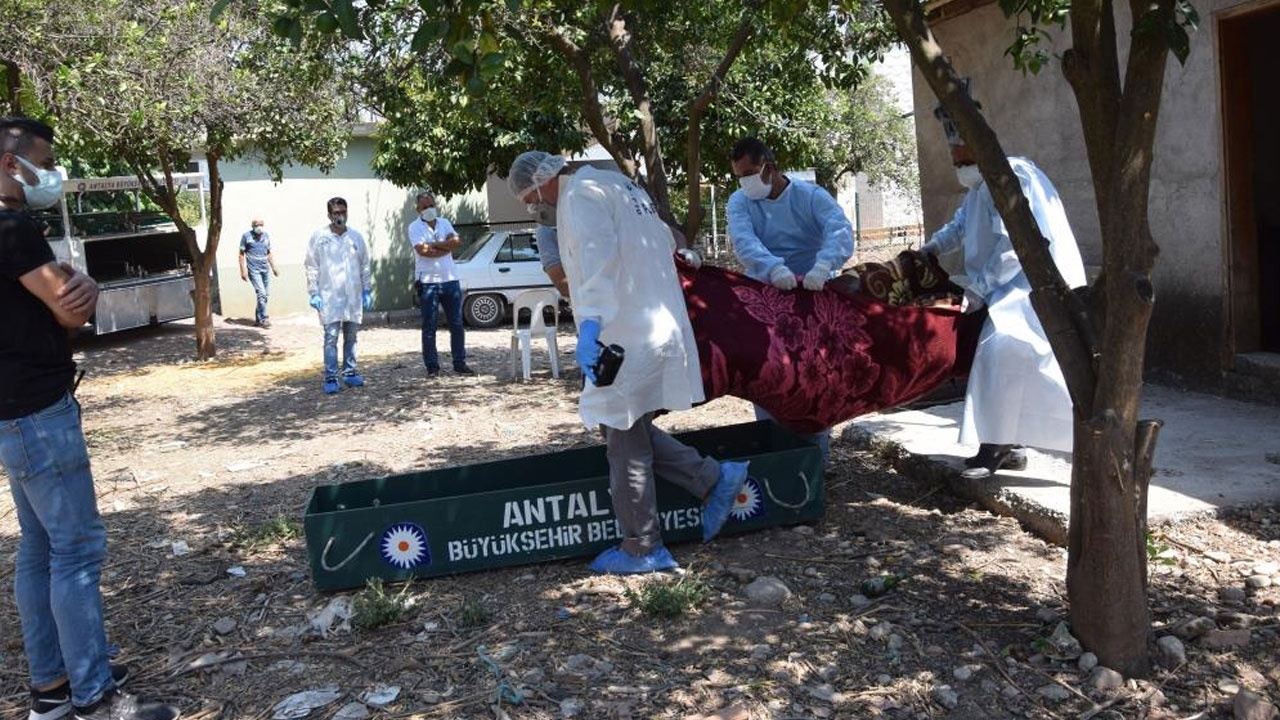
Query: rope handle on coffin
point(325, 563)
point(790, 506)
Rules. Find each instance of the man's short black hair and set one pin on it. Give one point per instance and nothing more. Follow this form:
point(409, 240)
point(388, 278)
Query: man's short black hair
point(16, 134)
point(754, 148)
point(335, 202)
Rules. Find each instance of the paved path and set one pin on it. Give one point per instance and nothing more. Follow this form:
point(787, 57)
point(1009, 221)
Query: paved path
point(1212, 454)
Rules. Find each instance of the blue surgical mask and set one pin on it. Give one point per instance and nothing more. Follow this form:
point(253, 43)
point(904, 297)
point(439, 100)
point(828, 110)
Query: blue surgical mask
point(47, 190)
point(429, 214)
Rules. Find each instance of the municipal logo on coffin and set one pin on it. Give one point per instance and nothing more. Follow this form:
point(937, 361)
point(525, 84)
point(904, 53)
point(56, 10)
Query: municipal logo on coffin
point(748, 504)
point(404, 545)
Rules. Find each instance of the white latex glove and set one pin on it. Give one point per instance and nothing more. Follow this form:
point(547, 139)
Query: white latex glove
point(817, 277)
point(930, 248)
point(691, 256)
point(782, 277)
point(973, 302)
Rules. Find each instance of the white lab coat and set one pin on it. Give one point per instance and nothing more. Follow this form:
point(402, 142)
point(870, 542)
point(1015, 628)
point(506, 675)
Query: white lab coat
point(338, 271)
point(1016, 392)
point(618, 257)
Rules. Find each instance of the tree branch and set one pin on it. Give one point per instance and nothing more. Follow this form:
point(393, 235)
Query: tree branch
point(656, 181)
point(698, 108)
point(1091, 68)
point(592, 112)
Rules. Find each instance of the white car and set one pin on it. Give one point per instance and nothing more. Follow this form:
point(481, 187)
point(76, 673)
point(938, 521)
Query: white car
point(493, 270)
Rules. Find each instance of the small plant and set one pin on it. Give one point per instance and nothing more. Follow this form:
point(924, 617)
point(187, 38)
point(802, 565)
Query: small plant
point(277, 529)
point(473, 613)
point(1157, 550)
point(374, 607)
point(669, 598)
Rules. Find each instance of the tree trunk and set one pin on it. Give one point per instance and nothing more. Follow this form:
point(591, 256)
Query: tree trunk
point(655, 169)
point(1101, 357)
point(164, 194)
point(592, 112)
point(1106, 542)
point(202, 299)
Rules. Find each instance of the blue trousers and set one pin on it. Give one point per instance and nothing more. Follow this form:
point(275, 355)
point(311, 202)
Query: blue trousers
point(349, 331)
point(261, 282)
point(431, 297)
point(63, 543)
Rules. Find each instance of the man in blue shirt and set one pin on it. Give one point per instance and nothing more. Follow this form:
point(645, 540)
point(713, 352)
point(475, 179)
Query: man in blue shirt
point(783, 229)
point(255, 261)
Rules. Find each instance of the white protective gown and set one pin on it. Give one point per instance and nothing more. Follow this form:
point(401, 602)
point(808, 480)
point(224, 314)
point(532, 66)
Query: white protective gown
point(618, 256)
point(338, 271)
point(1016, 393)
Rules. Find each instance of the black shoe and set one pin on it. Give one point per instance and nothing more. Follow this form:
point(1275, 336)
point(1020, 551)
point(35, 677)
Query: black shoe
point(56, 702)
point(433, 372)
point(462, 369)
point(991, 458)
point(116, 705)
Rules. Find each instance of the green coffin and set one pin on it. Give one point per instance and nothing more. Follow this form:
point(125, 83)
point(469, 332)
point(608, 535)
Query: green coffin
point(537, 508)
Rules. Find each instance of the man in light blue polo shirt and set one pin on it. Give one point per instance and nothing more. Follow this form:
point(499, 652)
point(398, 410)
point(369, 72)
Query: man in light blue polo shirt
point(255, 262)
point(436, 283)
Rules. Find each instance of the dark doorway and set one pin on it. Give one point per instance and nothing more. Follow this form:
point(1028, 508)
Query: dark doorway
point(1251, 114)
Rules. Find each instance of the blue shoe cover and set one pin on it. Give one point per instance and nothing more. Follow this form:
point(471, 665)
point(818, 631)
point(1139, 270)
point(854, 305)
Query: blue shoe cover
point(353, 380)
point(330, 386)
point(716, 510)
point(617, 561)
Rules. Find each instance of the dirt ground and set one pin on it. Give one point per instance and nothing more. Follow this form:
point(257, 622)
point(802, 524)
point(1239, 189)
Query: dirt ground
point(203, 470)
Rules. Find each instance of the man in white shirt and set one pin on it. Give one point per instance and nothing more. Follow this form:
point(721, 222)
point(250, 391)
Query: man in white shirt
point(436, 283)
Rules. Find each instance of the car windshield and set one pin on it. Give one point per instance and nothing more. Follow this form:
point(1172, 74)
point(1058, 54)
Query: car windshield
point(470, 251)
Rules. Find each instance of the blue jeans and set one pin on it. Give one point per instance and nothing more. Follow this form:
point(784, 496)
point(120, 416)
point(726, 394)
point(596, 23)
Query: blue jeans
point(821, 439)
point(349, 331)
point(261, 282)
point(60, 553)
point(431, 297)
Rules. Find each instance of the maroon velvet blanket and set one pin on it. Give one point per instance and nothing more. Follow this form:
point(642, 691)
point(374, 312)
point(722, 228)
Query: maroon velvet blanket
point(813, 359)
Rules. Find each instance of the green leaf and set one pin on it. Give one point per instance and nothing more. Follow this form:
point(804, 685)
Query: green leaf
point(283, 26)
point(513, 6)
point(347, 19)
point(326, 22)
point(219, 6)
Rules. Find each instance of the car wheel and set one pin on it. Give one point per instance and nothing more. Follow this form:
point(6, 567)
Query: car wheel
point(484, 311)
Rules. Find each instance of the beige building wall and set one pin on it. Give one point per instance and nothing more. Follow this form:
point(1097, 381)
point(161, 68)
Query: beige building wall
point(1037, 117)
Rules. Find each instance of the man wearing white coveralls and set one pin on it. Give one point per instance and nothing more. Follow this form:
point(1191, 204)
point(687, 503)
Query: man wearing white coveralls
point(618, 257)
point(1016, 392)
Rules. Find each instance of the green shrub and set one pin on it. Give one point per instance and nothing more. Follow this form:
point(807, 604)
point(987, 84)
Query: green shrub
point(374, 607)
point(669, 598)
point(473, 613)
point(277, 529)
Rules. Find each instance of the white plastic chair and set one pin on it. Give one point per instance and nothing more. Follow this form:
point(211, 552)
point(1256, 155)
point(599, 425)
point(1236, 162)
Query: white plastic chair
point(522, 338)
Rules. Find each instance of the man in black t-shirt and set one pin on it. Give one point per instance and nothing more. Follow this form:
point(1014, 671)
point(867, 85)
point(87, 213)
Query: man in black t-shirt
point(42, 450)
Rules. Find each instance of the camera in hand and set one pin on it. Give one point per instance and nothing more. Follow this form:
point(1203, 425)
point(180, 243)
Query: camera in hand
point(606, 367)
